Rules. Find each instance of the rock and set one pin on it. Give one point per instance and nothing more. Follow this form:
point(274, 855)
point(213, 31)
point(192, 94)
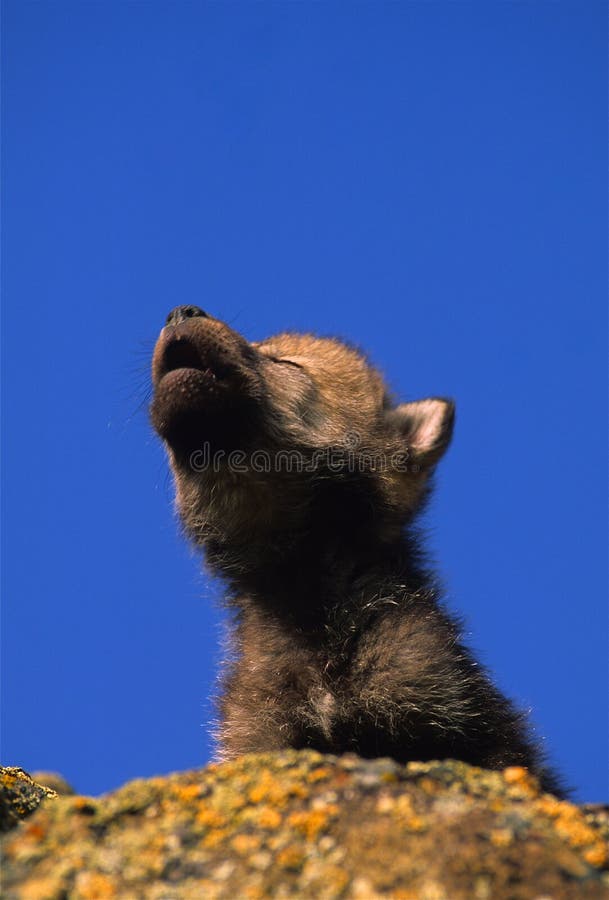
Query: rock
point(54, 781)
point(299, 824)
point(19, 796)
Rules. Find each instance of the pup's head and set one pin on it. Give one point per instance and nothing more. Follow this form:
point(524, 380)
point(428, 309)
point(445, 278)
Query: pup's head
point(257, 431)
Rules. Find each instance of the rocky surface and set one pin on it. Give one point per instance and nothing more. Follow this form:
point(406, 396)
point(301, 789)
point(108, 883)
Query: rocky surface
point(298, 824)
point(20, 795)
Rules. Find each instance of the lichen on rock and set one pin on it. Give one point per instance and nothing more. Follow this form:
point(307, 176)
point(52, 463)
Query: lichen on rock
point(20, 795)
point(300, 824)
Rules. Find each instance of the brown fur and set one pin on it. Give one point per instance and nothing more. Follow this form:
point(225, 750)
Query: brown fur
point(340, 640)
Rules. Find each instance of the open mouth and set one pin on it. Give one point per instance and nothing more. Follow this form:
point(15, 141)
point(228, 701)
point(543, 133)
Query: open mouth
point(183, 354)
point(204, 388)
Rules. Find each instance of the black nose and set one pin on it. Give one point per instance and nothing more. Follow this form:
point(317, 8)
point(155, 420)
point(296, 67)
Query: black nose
point(180, 313)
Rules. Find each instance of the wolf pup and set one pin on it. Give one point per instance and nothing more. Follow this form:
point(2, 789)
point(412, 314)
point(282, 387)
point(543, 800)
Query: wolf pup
point(302, 479)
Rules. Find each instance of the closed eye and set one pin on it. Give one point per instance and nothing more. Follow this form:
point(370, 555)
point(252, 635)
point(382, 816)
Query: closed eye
point(288, 362)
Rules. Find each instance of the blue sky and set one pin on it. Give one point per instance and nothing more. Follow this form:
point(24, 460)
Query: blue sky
point(428, 180)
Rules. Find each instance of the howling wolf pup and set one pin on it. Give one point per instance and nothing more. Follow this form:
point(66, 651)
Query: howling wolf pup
point(302, 479)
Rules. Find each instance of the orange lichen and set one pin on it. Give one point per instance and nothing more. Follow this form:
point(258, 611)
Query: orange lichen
point(209, 818)
point(267, 817)
point(571, 825)
point(385, 804)
point(35, 831)
point(574, 829)
point(501, 837)
point(214, 838)
point(518, 776)
point(50, 888)
point(318, 774)
point(244, 844)
point(270, 789)
point(309, 826)
point(291, 857)
point(430, 786)
point(187, 792)
point(253, 892)
point(549, 805)
point(94, 886)
point(405, 814)
point(312, 822)
point(597, 855)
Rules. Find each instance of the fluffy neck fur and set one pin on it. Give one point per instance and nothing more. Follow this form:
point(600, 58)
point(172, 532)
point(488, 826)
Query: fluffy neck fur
point(340, 627)
point(334, 544)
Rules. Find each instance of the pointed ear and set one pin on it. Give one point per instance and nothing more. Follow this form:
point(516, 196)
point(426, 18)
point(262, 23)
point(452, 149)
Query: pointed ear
point(426, 426)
